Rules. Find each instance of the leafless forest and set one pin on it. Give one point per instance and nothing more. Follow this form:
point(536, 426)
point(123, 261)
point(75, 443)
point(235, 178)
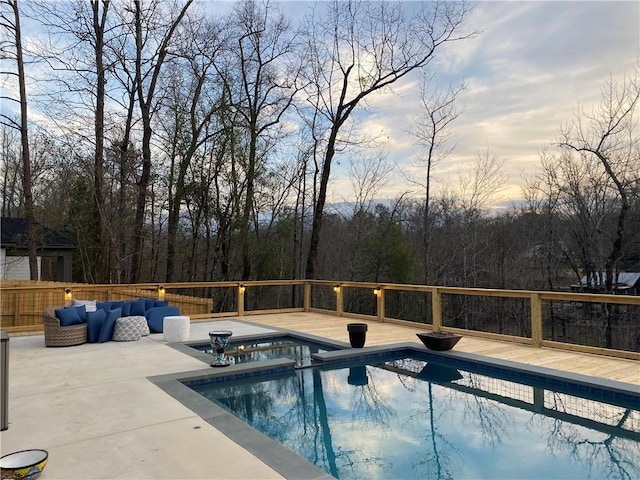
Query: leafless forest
point(173, 143)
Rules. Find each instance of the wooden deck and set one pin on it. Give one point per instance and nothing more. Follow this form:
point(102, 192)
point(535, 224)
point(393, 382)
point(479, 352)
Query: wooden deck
point(333, 327)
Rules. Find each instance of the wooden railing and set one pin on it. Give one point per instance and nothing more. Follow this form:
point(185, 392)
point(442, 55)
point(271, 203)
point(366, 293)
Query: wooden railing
point(574, 321)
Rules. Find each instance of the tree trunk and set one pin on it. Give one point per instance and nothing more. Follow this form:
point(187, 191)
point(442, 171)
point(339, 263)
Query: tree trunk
point(100, 234)
point(32, 242)
point(425, 220)
point(248, 204)
point(318, 211)
point(146, 106)
point(174, 215)
point(143, 184)
point(120, 271)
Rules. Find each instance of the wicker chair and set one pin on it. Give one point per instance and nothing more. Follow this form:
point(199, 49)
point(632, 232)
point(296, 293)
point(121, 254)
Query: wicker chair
point(58, 336)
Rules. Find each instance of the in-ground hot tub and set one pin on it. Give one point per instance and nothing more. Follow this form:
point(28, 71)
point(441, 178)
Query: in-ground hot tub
point(298, 348)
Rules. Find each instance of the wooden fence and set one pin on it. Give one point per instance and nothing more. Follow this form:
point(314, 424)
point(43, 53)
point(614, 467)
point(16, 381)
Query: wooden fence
point(593, 323)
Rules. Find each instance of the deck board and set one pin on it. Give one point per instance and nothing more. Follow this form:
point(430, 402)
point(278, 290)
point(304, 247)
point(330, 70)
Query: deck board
point(333, 327)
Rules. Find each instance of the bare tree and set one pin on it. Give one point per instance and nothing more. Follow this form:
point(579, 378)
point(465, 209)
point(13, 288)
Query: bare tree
point(463, 208)
point(100, 233)
point(10, 168)
point(479, 185)
point(121, 51)
point(543, 200)
point(368, 176)
point(146, 81)
point(75, 87)
point(432, 131)
point(359, 49)
point(610, 133)
point(192, 101)
point(11, 21)
point(305, 149)
point(266, 47)
point(581, 203)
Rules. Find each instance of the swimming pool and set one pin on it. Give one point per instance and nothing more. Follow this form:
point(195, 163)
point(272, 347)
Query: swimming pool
point(410, 414)
point(299, 349)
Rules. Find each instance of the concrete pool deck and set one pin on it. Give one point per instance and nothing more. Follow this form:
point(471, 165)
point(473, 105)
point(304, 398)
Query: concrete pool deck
point(93, 409)
point(97, 413)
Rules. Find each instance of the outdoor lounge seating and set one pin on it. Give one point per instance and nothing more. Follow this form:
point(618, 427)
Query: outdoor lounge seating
point(95, 322)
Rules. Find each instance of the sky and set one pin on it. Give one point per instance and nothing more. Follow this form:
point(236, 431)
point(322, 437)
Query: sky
point(531, 68)
point(528, 71)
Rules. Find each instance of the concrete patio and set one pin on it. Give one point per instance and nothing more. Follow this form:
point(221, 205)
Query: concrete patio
point(94, 410)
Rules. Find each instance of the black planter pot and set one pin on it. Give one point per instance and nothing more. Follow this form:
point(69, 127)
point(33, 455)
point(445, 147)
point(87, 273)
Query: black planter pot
point(439, 341)
point(357, 334)
point(358, 376)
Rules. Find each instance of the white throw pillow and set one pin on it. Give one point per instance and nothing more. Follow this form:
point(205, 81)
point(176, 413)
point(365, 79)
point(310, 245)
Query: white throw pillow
point(90, 305)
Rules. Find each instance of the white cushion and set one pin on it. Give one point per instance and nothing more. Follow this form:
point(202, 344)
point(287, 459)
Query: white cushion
point(90, 305)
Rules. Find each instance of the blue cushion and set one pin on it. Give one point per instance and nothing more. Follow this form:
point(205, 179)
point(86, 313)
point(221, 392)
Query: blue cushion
point(68, 316)
point(155, 317)
point(161, 303)
point(138, 307)
point(106, 306)
point(126, 309)
point(106, 332)
point(148, 303)
point(116, 304)
point(82, 312)
point(95, 320)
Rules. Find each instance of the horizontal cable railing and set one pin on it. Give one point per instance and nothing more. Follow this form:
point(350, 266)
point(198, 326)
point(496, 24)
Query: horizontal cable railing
point(594, 323)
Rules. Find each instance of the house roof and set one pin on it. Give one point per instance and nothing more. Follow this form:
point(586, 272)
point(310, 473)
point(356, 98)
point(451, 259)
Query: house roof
point(623, 279)
point(13, 231)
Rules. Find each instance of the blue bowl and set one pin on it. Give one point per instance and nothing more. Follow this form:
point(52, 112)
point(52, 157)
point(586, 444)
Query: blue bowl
point(23, 465)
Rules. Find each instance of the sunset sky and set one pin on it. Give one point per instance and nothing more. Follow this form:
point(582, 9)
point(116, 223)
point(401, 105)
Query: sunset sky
point(532, 66)
point(530, 69)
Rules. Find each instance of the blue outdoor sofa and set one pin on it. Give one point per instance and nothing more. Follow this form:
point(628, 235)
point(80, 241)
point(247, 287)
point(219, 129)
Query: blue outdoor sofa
point(94, 322)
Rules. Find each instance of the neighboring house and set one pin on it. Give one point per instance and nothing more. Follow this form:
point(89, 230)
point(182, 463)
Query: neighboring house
point(625, 283)
point(55, 252)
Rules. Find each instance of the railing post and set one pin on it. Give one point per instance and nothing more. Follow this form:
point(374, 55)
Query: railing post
point(536, 319)
point(241, 289)
point(307, 297)
point(436, 309)
point(380, 303)
point(339, 305)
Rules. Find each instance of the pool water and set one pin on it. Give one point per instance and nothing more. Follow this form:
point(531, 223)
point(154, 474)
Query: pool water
point(407, 418)
point(298, 349)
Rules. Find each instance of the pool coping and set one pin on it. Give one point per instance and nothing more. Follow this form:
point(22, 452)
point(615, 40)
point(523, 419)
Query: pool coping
point(291, 465)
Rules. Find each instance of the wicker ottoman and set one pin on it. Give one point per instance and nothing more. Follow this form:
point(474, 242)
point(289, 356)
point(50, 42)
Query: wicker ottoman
point(129, 329)
point(176, 328)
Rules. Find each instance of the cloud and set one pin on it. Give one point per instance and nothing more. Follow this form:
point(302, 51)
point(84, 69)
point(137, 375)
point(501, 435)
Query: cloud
point(527, 73)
